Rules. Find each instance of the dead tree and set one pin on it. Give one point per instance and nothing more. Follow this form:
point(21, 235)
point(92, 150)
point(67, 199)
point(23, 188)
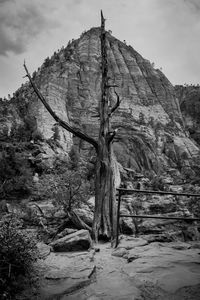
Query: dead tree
point(105, 207)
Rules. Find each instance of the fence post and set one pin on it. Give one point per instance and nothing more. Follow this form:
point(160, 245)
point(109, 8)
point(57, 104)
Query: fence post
point(118, 216)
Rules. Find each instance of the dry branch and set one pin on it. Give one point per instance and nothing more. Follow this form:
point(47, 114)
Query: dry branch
point(117, 104)
point(62, 123)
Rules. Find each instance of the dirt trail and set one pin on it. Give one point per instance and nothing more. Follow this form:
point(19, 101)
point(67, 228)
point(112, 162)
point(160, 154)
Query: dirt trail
point(110, 281)
point(157, 271)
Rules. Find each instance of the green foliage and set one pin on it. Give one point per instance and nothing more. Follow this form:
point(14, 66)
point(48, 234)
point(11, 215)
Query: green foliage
point(69, 184)
point(24, 132)
point(37, 135)
point(68, 52)
point(71, 191)
point(15, 175)
point(56, 135)
point(157, 184)
point(34, 75)
point(47, 62)
point(74, 157)
point(141, 118)
point(193, 203)
point(18, 252)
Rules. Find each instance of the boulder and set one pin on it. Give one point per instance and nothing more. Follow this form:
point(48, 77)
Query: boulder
point(43, 249)
point(79, 240)
point(65, 232)
point(91, 203)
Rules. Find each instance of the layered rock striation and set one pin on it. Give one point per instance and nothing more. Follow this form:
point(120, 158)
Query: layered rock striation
point(151, 133)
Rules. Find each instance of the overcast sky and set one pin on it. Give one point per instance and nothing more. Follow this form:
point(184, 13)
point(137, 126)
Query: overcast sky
point(167, 32)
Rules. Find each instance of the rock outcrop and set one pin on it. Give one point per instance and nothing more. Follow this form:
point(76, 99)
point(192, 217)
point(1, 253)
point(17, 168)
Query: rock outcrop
point(189, 99)
point(154, 271)
point(151, 132)
point(77, 241)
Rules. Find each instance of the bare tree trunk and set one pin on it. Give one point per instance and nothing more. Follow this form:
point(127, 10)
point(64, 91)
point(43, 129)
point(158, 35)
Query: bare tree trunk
point(104, 218)
point(105, 207)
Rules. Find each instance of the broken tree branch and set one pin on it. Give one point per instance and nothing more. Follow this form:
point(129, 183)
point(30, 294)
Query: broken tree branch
point(62, 123)
point(112, 135)
point(117, 104)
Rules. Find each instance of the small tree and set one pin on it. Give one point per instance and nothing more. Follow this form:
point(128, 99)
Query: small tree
point(15, 174)
point(18, 253)
point(105, 208)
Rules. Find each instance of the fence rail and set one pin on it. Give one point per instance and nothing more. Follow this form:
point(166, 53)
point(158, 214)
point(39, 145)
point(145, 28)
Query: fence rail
point(127, 191)
point(122, 191)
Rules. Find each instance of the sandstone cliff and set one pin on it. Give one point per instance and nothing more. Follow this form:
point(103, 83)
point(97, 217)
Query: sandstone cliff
point(189, 99)
point(151, 132)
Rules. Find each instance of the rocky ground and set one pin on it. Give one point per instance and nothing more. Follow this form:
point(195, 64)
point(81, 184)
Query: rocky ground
point(136, 269)
point(162, 263)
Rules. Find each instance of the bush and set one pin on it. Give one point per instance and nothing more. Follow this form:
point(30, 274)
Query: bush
point(157, 184)
point(15, 174)
point(72, 190)
point(17, 254)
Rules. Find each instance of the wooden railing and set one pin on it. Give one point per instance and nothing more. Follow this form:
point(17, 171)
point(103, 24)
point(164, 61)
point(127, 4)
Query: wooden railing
point(122, 191)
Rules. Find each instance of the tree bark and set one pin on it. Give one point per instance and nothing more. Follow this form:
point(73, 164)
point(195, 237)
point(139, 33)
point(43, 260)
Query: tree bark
point(104, 223)
point(105, 207)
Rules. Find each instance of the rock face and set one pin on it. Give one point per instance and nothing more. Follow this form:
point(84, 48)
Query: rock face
point(189, 99)
point(164, 230)
point(151, 132)
point(165, 266)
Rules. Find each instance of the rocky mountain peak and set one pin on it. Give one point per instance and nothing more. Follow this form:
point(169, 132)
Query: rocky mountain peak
point(151, 133)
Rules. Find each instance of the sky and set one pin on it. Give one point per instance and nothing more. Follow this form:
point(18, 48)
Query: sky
point(166, 32)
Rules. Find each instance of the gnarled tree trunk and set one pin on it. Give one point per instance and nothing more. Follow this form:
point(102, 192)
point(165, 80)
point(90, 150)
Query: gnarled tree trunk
point(105, 207)
point(104, 218)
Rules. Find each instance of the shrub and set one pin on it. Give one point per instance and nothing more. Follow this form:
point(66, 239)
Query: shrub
point(17, 254)
point(15, 174)
point(157, 184)
point(72, 190)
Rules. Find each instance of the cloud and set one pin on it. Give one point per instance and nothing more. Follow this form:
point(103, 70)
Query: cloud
point(163, 31)
point(20, 22)
point(3, 1)
point(193, 5)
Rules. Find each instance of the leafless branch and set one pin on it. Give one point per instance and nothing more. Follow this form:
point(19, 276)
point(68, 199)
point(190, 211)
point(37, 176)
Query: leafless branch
point(117, 104)
point(75, 191)
point(62, 123)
